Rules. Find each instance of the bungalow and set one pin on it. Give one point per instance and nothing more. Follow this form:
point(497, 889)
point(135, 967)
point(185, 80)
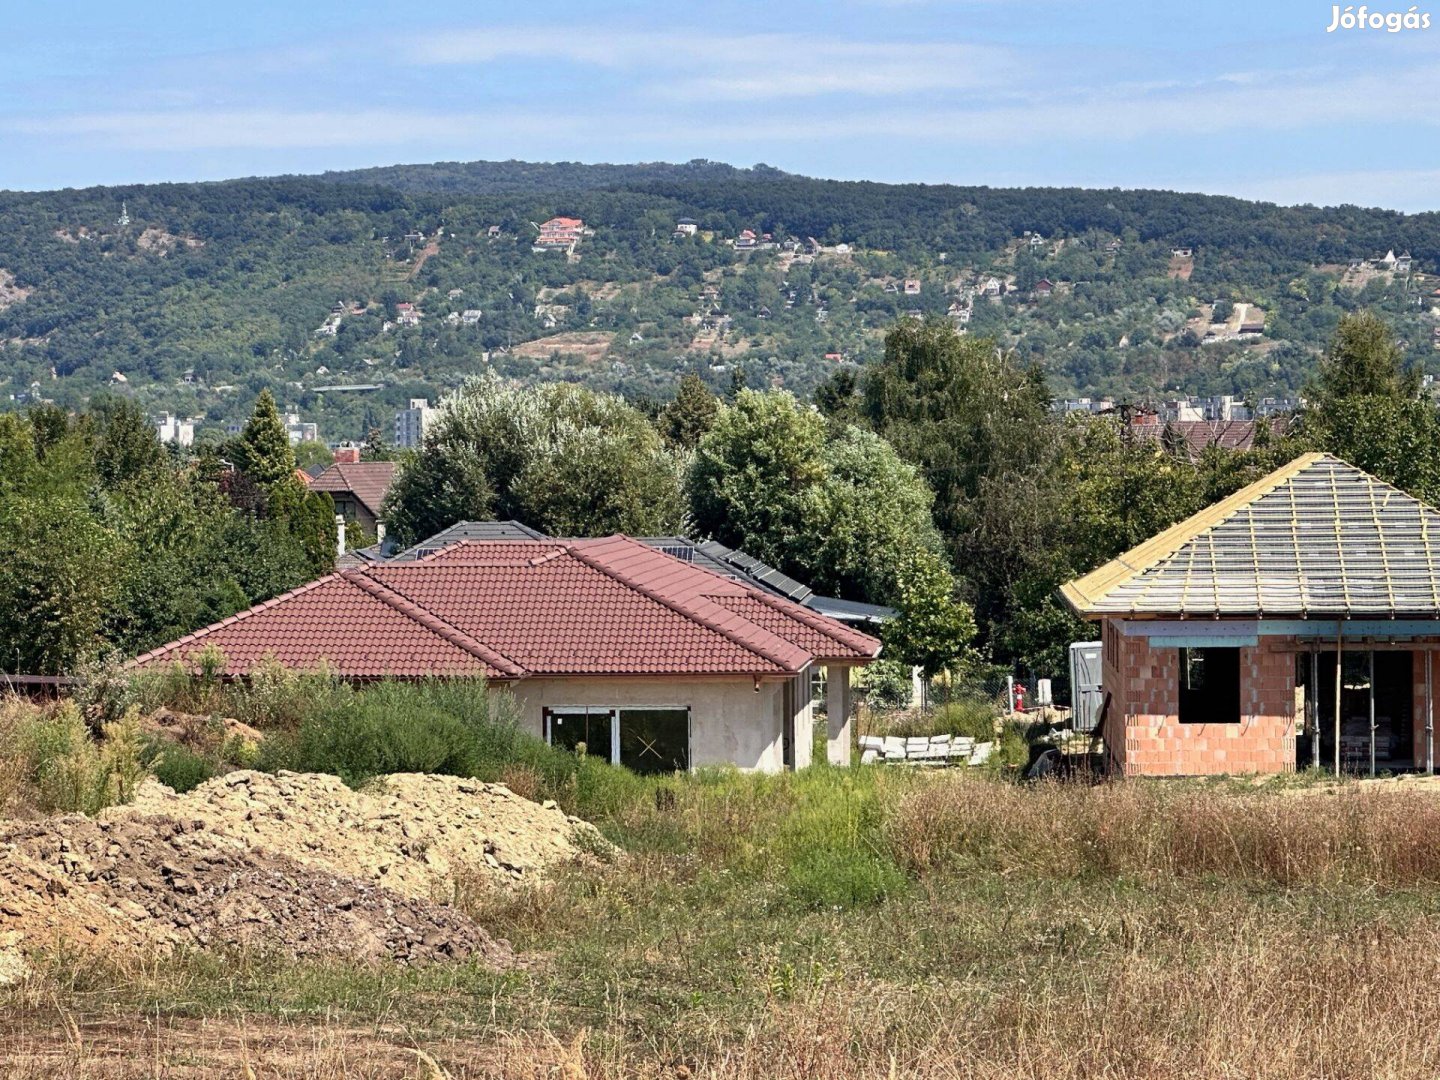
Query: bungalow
point(1044, 287)
point(646, 659)
point(1292, 624)
point(358, 488)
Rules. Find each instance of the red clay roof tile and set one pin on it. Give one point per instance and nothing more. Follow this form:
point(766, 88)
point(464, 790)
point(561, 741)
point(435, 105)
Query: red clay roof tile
point(507, 609)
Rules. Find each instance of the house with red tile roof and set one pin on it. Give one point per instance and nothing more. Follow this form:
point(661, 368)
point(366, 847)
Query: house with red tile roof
point(358, 488)
point(648, 660)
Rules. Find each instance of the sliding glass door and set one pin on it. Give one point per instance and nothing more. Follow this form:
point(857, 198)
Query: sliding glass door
point(646, 740)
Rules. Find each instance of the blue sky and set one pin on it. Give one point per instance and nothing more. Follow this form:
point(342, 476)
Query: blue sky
point(1253, 99)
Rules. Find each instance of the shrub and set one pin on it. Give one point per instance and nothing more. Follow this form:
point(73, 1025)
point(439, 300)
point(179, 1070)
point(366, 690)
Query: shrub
point(54, 764)
point(452, 727)
point(275, 696)
point(181, 768)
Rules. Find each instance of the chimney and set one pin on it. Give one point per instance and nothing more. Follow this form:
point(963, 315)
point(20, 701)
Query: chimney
point(339, 535)
point(347, 455)
point(379, 532)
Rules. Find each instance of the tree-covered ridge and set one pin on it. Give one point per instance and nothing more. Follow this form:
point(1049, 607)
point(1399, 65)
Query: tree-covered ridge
point(213, 292)
point(514, 177)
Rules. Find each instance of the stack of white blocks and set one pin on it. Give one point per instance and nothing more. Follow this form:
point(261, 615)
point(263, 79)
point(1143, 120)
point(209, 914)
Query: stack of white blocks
point(925, 750)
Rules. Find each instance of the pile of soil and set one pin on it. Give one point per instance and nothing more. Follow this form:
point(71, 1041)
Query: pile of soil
point(411, 832)
point(293, 862)
point(145, 881)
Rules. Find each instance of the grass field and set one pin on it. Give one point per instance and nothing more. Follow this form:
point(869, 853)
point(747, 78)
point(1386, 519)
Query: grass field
point(863, 923)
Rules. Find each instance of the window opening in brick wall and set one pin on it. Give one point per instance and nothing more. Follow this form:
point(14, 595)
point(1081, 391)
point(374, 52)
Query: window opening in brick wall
point(1209, 686)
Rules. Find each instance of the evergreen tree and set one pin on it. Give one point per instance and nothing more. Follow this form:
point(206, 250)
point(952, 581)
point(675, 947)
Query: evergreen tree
point(1363, 360)
point(690, 415)
point(262, 452)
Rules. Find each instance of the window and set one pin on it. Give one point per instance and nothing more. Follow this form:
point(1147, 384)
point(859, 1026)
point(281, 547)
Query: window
point(645, 740)
point(655, 740)
point(1209, 686)
point(570, 729)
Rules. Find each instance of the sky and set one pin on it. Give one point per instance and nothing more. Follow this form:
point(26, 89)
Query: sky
point(1250, 98)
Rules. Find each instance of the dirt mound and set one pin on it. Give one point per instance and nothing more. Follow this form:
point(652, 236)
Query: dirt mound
point(153, 880)
point(410, 832)
point(294, 862)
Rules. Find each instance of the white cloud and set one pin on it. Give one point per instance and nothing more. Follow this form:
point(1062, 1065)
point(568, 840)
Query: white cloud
point(270, 129)
point(736, 67)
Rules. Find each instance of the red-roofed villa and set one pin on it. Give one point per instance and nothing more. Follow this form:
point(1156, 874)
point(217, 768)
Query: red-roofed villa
point(649, 660)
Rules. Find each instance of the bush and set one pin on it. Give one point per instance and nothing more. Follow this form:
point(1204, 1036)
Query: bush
point(54, 764)
point(278, 697)
point(452, 727)
point(181, 768)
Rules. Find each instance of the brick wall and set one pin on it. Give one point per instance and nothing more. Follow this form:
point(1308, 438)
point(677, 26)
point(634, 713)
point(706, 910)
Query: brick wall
point(1145, 692)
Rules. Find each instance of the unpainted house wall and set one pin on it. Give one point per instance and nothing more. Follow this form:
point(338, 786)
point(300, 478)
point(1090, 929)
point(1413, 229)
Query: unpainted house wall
point(1143, 731)
point(731, 722)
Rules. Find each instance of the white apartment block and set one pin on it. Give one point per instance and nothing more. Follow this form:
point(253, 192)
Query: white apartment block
point(410, 424)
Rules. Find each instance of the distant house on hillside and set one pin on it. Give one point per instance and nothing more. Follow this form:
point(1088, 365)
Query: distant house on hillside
point(561, 233)
point(1044, 287)
point(686, 227)
point(912, 286)
point(746, 239)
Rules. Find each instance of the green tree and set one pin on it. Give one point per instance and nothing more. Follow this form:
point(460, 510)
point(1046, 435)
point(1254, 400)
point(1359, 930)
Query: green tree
point(979, 427)
point(933, 628)
point(1363, 360)
point(126, 447)
point(831, 504)
point(58, 576)
point(309, 452)
point(262, 451)
point(690, 415)
point(1366, 409)
point(562, 459)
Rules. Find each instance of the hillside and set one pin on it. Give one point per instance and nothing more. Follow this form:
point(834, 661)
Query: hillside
point(210, 291)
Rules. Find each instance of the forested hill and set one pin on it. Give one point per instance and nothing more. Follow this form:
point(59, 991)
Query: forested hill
point(208, 292)
point(518, 177)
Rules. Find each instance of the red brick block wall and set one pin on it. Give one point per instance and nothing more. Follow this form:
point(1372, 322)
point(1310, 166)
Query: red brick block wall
point(1144, 734)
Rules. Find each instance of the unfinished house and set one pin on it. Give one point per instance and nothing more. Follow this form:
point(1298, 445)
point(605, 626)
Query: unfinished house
point(1291, 624)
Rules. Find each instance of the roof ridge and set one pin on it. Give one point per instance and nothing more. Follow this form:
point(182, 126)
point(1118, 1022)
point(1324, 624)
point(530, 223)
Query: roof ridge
point(680, 609)
point(1081, 593)
point(254, 609)
point(821, 624)
point(362, 580)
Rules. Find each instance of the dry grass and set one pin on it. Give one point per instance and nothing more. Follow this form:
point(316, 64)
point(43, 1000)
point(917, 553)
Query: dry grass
point(1370, 837)
point(1125, 931)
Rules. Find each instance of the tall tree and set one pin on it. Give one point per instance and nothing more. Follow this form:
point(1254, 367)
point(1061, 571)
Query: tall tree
point(1363, 360)
point(262, 452)
point(58, 576)
point(690, 415)
point(1366, 409)
point(828, 503)
point(980, 428)
point(126, 445)
point(560, 458)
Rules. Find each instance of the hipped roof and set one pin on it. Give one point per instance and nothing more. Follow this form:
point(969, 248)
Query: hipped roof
point(1317, 538)
point(512, 609)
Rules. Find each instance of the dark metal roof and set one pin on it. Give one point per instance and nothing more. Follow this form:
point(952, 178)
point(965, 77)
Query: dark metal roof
point(470, 530)
point(849, 610)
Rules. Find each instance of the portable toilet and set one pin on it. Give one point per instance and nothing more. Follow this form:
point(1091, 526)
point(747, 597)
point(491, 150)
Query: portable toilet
point(1086, 695)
